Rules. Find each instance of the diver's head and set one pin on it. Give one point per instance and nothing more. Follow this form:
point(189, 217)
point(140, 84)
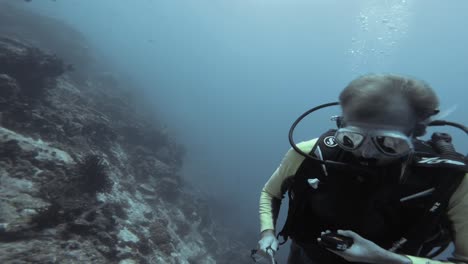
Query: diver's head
point(382, 114)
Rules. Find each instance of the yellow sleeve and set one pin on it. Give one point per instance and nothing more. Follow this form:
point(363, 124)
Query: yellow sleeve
point(458, 214)
point(272, 189)
point(416, 260)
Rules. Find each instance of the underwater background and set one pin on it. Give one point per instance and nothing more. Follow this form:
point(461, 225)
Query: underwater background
point(228, 78)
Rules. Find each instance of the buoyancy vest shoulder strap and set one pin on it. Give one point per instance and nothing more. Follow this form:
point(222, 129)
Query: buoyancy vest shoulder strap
point(325, 147)
point(450, 173)
point(413, 241)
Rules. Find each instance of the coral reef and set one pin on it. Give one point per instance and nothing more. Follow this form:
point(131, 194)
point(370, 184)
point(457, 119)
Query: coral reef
point(30, 67)
point(85, 179)
point(48, 34)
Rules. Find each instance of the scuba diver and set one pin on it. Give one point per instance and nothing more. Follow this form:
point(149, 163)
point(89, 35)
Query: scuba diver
point(370, 191)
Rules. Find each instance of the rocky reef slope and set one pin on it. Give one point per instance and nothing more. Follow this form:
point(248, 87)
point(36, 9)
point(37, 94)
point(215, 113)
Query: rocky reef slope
point(85, 178)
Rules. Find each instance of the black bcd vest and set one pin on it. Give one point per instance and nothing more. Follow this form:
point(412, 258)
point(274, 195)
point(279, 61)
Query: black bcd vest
point(380, 206)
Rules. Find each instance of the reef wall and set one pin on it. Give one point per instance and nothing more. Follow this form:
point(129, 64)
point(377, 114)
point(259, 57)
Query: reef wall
point(84, 177)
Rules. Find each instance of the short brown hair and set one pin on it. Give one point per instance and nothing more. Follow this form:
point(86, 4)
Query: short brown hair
point(388, 98)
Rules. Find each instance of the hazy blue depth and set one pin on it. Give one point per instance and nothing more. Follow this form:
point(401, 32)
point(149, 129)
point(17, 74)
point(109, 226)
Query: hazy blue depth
point(230, 76)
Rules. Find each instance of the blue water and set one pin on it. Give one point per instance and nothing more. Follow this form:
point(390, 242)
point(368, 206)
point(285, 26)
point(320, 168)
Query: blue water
point(229, 77)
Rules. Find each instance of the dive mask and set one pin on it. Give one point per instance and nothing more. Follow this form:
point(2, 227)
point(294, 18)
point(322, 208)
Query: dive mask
point(373, 142)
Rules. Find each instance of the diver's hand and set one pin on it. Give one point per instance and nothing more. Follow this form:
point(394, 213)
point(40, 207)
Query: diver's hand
point(364, 250)
point(268, 244)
